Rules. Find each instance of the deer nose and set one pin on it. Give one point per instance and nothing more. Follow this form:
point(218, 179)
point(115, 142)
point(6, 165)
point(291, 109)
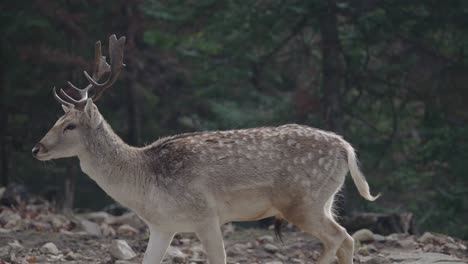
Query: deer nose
point(36, 149)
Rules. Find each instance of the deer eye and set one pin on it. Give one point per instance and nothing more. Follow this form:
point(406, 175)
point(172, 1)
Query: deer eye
point(70, 127)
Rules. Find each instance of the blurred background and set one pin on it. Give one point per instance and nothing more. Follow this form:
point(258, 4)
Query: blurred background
point(390, 76)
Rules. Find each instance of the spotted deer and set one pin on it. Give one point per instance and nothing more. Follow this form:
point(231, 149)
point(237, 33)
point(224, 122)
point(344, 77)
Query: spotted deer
point(198, 181)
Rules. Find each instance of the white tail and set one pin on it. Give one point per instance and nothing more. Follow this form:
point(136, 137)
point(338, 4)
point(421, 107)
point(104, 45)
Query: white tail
point(358, 177)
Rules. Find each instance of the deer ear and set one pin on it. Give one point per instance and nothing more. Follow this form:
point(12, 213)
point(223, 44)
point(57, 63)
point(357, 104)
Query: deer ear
point(66, 109)
point(91, 111)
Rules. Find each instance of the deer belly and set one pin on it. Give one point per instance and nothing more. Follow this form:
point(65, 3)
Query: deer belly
point(245, 206)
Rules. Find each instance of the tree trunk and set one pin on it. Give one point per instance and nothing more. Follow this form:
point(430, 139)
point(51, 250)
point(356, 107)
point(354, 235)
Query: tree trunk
point(134, 35)
point(332, 68)
point(69, 190)
point(134, 122)
point(3, 130)
point(332, 79)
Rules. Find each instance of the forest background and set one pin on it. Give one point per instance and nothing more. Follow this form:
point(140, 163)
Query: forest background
point(390, 76)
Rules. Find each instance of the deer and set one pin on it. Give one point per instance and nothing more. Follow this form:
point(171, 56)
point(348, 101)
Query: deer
point(196, 182)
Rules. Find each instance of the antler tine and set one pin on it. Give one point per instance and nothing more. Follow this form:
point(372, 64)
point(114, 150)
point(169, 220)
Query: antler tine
point(116, 49)
point(60, 100)
point(75, 102)
point(83, 92)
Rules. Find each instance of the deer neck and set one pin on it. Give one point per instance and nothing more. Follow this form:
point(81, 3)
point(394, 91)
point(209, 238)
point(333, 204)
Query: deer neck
point(114, 165)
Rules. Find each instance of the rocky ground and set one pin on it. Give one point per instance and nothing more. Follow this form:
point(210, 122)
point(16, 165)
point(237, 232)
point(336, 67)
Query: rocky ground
point(35, 234)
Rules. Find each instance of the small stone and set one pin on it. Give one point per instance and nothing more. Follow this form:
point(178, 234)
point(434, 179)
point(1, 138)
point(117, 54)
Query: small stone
point(71, 256)
point(461, 246)
point(407, 243)
point(9, 219)
point(266, 239)
point(126, 230)
point(427, 237)
point(15, 245)
point(124, 262)
point(176, 255)
point(119, 249)
point(185, 241)
point(363, 235)
point(270, 248)
point(50, 248)
point(228, 229)
point(379, 238)
point(4, 231)
point(107, 230)
point(98, 217)
point(274, 262)
point(66, 232)
point(281, 256)
point(91, 228)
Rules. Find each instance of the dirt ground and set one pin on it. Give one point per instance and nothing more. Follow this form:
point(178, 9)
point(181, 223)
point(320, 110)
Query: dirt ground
point(34, 233)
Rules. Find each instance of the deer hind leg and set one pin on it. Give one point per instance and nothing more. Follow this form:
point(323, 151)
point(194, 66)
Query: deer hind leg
point(318, 221)
point(346, 249)
point(332, 236)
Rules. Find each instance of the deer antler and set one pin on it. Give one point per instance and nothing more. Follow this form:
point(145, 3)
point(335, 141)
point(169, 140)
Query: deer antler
point(101, 68)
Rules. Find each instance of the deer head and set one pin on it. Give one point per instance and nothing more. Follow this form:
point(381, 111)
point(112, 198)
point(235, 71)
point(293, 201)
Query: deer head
point(67, 137)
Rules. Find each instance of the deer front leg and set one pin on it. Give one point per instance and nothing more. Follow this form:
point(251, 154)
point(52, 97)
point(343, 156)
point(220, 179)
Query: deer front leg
point(212, 241)
point(157, 246)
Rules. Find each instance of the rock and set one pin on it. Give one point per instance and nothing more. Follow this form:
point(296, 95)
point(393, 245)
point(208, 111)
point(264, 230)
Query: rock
point(119, 249)
point(107, 230)
point(72, 256)
point(379, 238)
point(54, 220)
point(363, 235)
point(90, 227)
point(9, 219)
point(50, 248)
point(126, 230)
point(373, 260)
point(270, 248)
point(176, 255)
point(4, 231)
point(66, 232)
point(274, 262)
point(266, 239)
point(41, 226)
point(228, 229)
point(418, 257)
point(407, 243)
point(124, 262)
point(98, 217)
point(129, 218)
point(281, 256)
point(427, 237)
point(2, 190)
point(185, 241)
point(15, 245)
